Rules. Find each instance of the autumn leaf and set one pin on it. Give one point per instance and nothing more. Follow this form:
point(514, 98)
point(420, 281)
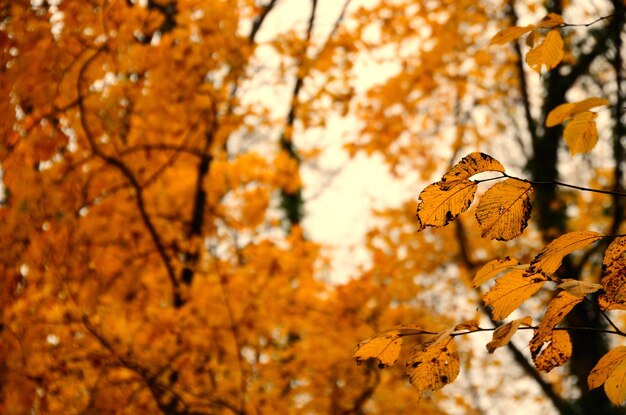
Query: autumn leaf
point(579, 288)
point(587, 104)
point(491, 269)
point(471, 165)
point(611, 371)
point(549, 259)
point(384, 346)
point(548, 53)
point(557, 309)
point(504, 210)
point(503, 334)
point(434, 364)
point(614, 272)
point(581, 134)
point(555, 350)
point(551, 20)
point(564, 112)
point(559, 114)
point(469, 325)
point(438, 207)
point(441, 202)
point(510, 291)
point(510, 33)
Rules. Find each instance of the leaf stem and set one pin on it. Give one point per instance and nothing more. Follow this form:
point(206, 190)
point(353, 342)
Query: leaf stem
point(554, 182)
point(599, 19)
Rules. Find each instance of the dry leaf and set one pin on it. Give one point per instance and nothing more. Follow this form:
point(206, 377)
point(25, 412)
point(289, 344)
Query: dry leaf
point(491, 269)
point(614, 272)
point(510, 291)
point(504, 210)
point(434, 364)
point(384, 346)
point(549, 259)
point(579, 288)
point(503, 334)
point(558, 308)
point(438, 207)
point(555, 350)
point(559, 114)
point(611, 371)
point(471, 165)
point(469, 325)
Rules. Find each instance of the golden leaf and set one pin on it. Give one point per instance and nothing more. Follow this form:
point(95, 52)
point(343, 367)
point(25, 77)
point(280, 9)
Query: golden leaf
point(556, 353)
point(611, 371)
point(551, 20)
point(614, 271)
point(492, 269)
point(510, 291)
point(438, 207)
point(579, 288)
point(469, 325)
point(471, 165)
point(587, 104)
point(559, 114)
point(530, 39)
point(503, 334)
point(510, 33)
point(581, 134)
point(558, 308)
point(504, 210)
point(434, 364)
point(384, 346)
point(549, 259)
point(548, 53)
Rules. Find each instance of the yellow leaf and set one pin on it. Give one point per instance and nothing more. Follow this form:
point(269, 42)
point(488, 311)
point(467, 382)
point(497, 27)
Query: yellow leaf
point(510, 33)
point(611, 371)
point(551, 20)
point(503, 334)
point(558, 308)
point(469, 325)
point(601, 371)
point(579, 288)
point(548, 53)
point(614, 271)
point(581, 134)
point(492, 269)
point(510, 291)
point(615, 385)
point(434, 364)
point(438, 207)
point(471, 165)
point(384, 346)
point(557, 351)
point(504, 210)
point(588, 103)
point(559, 114)
point(549, 259)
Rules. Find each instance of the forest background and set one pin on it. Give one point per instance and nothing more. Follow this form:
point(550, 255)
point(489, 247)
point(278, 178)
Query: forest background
point(158, 158)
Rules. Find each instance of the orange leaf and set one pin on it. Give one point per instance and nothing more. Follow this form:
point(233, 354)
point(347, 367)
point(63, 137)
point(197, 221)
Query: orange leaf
point(611, 371)
point(492, 269)
point(434, 364)
point(510, 33)
point(504, 210)
point(503, 334)
point(556, 353)
point(558, 308)
point(581, 133)
point(549, 259)
point(551, 20)
point(438, 207)
point(614, 271)
point(548, 53)
point(384, 346)
point(510, 291)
